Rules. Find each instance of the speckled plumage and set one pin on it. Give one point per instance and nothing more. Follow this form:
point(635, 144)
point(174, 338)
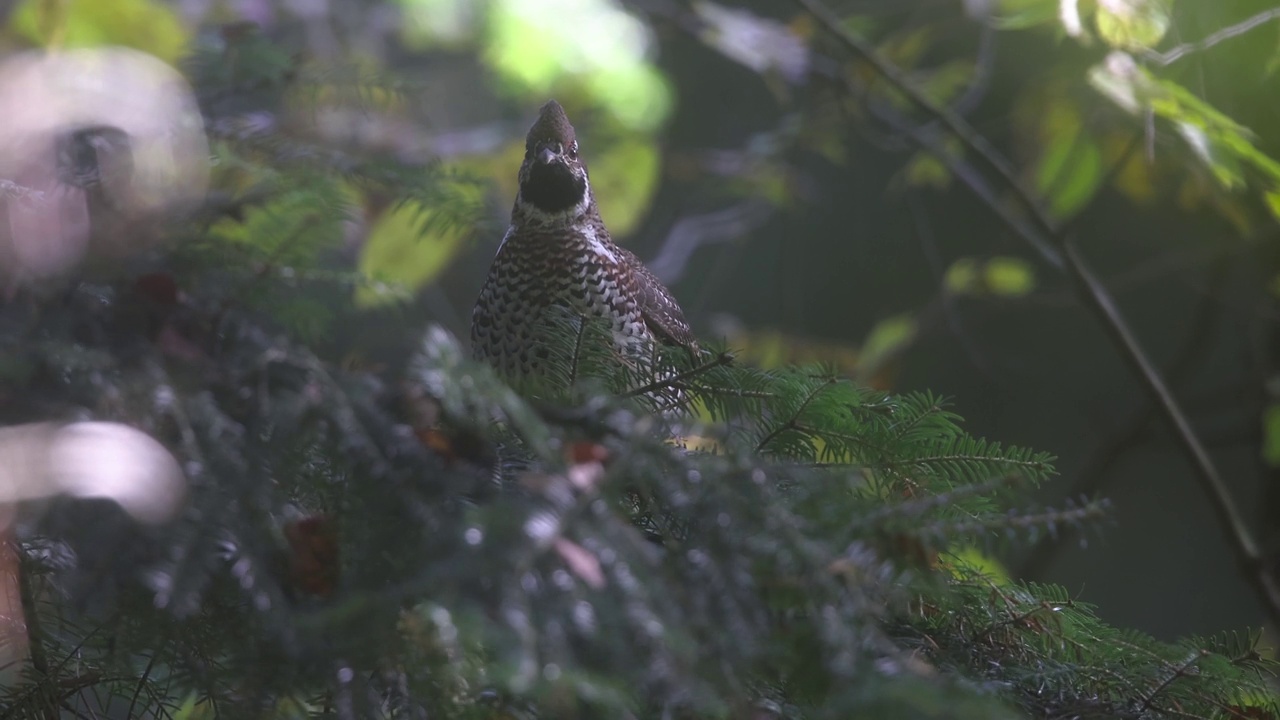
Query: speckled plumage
point(557, 252)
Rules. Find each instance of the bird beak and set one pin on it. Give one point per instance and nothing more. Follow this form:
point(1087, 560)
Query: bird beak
point(546, 155)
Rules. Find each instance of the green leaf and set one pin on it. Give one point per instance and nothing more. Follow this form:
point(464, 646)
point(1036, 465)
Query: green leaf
point(1001, 275)
point(962, 277)
point(624, 176)
point(925, 170)
point(1071, 169)
point(1220, 142)
point(1273, 202)
point(887, 340)
point(1010, 276)
point(147, 25)
point(1132, 24)
point(1271, 435)
point(406, 249)
point(1224, 166)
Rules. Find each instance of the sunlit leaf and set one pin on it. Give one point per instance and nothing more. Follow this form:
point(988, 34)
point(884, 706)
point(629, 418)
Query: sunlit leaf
point(962, 277)
point(603, 51)
point(435, 23)
point(624, 176)
point(1271, 435)
point(1001, 275)
point(1070, 169)
point(1273, 202)
point(147, 25)
point(1224, 166)
point(925, 170)
point(1132, 24)
point(405, 249)
point(887, 340)
point(1009, 276)
point(1220, 142)
point(963, 561)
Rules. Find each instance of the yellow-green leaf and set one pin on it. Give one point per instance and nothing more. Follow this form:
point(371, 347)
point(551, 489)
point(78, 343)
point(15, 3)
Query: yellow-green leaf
point(624, 176)
point(1132, 24)
point(1009, 276)
point(925, 170)
point(405, 251)
point(1071, 168)
point(148, 25)
point(886, 341)
point(1273, 202)
point(1271, 435)
point(1001, 275)
point(962, 277)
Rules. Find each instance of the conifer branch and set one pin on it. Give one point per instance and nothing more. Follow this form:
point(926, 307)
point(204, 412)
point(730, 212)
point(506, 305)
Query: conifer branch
point(1090, 289)
point(721, 360)
point(576, 356)
point(1080, 515)
point(34, 635)
point(1180, 671)
point(791, 422)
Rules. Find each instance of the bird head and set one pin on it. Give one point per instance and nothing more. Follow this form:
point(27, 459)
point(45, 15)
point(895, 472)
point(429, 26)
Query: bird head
point(553, 178)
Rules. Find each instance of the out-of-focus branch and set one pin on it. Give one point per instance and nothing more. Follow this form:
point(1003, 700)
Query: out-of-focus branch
point(1041, 230)
point(1089, 478)
point(1177, 53)
point(690, 233)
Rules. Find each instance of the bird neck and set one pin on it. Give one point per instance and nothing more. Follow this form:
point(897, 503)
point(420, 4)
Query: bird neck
point(526, 215)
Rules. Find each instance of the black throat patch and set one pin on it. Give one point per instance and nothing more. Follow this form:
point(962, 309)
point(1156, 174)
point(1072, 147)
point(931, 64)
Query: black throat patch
point(552, 188)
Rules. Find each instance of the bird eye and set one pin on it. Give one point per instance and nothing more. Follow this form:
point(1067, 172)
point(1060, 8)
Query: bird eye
point(573, 150)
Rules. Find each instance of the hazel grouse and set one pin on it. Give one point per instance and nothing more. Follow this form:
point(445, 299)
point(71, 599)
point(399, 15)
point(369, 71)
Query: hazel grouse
point(557, 252)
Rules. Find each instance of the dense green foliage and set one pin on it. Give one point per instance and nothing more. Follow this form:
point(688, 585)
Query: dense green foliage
point(568, 559)
point(685, 538)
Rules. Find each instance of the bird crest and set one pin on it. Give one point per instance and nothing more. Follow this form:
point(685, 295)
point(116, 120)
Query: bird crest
point(552, 126)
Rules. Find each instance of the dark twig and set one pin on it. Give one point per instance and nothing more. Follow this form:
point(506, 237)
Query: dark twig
point(953, 122)
point(1089, 478)
point(1092, 292)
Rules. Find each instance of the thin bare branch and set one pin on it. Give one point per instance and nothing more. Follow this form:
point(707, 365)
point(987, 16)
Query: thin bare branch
point(1091, 290)
point(1177, 53)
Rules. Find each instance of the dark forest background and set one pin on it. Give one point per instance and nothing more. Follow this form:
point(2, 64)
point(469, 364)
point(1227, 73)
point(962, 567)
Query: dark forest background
point(805, 208)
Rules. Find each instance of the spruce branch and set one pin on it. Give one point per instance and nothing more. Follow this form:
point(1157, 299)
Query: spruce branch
point(1061, 250)
point(791, 423)
point(675, 381)
point(576, 355)
point(1016, 521)
point(35, 639)
point(1180, 671)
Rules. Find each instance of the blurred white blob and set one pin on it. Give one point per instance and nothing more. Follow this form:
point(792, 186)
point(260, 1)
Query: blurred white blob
point(761, 44)
point(90, 459)
point(93, 139)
